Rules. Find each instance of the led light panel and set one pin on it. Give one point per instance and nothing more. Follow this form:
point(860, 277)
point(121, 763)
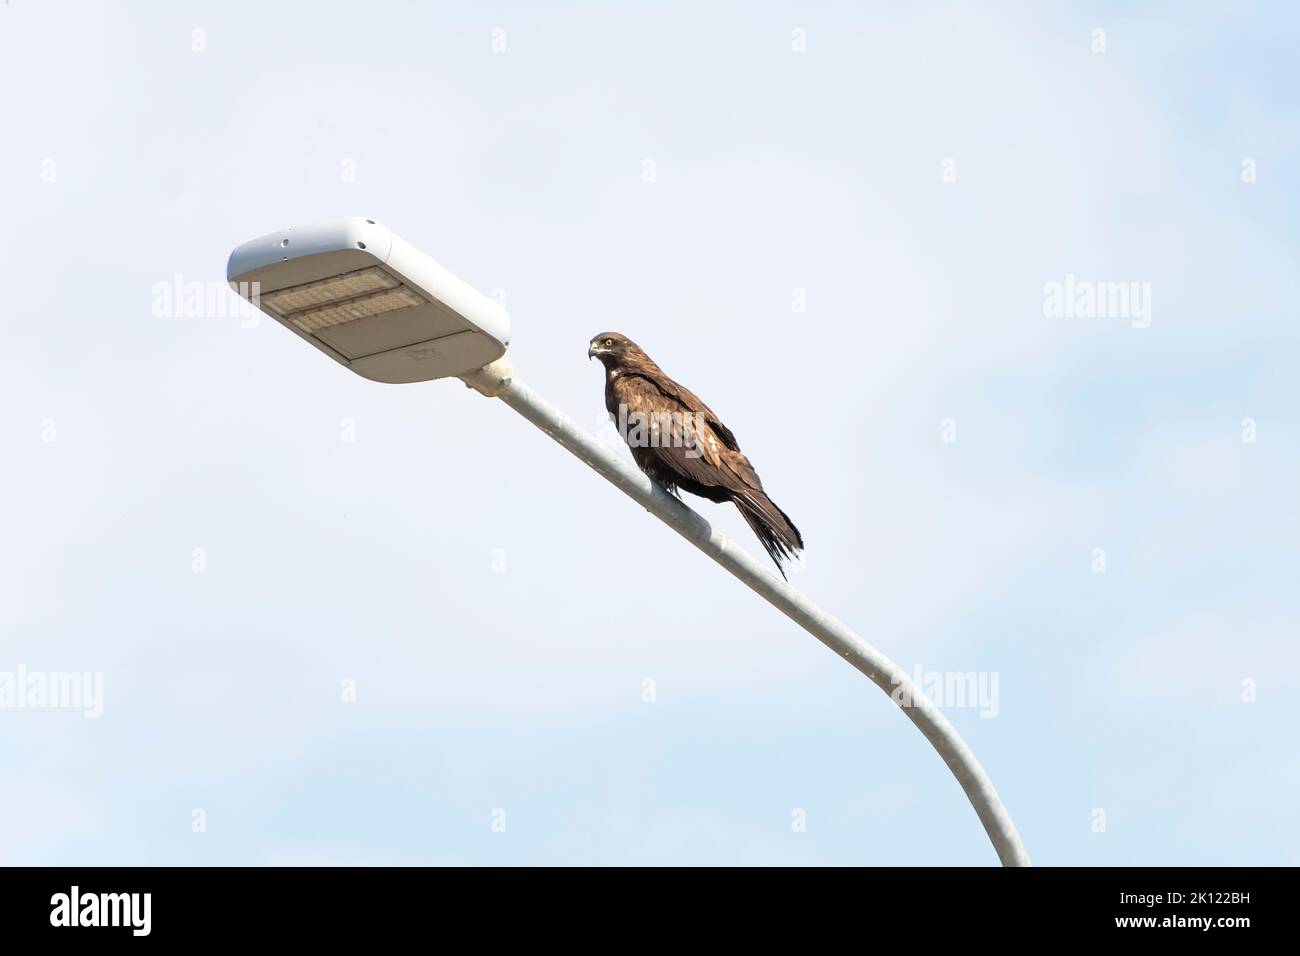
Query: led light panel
point(363, 307)
point(299, 297)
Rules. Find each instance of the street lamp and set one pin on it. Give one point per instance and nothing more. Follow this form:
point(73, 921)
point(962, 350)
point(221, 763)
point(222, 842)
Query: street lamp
point(370, 301)
point(390, 313)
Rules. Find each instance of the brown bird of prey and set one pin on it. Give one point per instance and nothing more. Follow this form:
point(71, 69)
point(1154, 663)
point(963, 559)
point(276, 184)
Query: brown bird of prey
point(679, 442)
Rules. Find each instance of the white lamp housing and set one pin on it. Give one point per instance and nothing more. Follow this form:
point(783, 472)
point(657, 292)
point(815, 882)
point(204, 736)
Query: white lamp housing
point(370, 301)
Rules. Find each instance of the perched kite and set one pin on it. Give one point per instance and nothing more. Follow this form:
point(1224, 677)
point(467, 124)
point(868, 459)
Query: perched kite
point(679, 442)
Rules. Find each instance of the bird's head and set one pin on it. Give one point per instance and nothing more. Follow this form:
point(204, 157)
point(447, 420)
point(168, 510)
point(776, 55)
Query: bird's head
point(615, 350)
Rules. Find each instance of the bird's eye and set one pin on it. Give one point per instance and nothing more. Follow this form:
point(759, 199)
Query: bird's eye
point(608, 342)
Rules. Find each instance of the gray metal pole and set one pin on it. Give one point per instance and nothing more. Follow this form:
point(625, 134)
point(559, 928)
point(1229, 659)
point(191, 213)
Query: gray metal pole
point(497, 381)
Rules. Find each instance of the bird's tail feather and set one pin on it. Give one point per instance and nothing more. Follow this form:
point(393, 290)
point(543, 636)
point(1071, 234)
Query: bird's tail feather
point(775, 531)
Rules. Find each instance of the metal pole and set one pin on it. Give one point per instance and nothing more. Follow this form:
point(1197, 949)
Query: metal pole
point(497, 381)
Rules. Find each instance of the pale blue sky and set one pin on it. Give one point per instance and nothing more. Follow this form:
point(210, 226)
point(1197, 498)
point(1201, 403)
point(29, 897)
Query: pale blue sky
point(131, 158)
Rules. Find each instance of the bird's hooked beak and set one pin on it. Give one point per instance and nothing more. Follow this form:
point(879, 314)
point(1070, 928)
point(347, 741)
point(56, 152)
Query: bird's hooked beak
point(591, 351)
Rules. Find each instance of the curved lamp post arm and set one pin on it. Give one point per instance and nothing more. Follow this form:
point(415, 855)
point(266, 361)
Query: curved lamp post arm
point(497, 381)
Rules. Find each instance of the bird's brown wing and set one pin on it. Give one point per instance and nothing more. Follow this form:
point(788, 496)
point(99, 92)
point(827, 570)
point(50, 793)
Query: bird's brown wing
point(692, 402)
point(689, 442)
